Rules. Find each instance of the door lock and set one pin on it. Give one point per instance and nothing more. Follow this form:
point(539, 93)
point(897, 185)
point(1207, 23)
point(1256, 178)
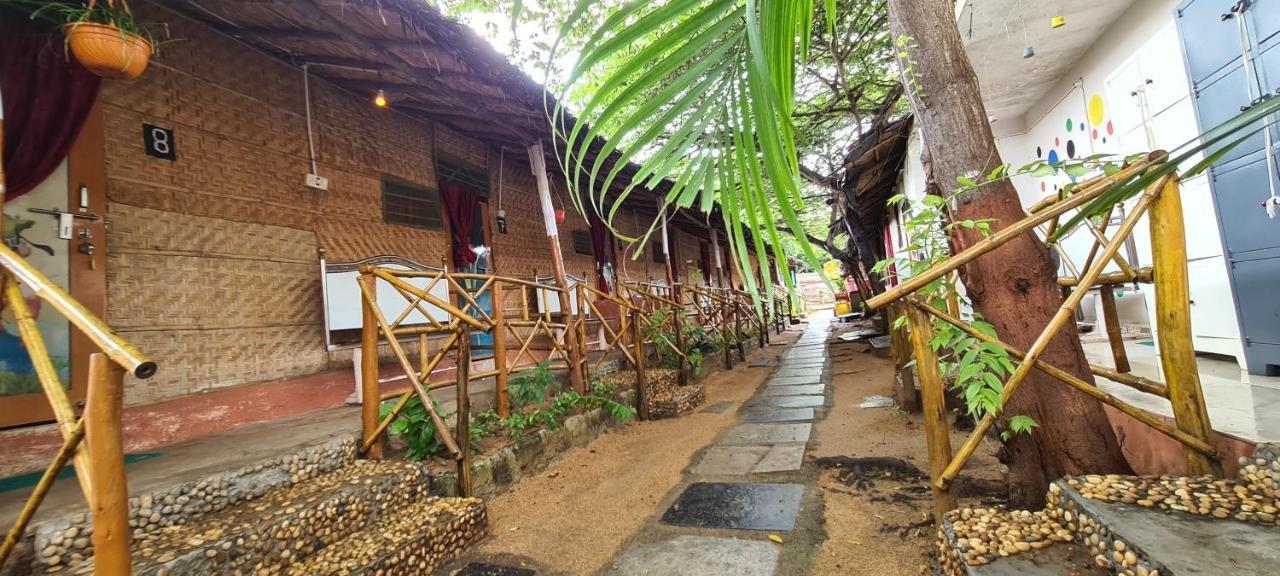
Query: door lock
point(87, 248)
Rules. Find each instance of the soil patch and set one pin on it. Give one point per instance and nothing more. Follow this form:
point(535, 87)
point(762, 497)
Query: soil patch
point(575, 517)
point(875, 491)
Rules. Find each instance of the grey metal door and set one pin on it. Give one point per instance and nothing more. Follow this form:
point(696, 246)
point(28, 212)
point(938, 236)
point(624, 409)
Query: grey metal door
point(1216, 36)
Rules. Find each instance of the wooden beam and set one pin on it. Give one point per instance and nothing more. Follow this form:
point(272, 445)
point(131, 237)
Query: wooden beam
point(934, 398)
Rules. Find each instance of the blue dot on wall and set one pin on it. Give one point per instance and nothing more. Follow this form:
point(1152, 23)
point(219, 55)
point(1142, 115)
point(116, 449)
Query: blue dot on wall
point(1082, 126)
point(1053, 156)
point(1071, 149)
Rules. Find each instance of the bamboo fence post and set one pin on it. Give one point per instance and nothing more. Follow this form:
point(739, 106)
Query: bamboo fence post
point(737, 330)
point(935, 411)
point(724, 334)
point(762, 316)
point(677, 321)
point(642, 379)
point(63, 413)
point(584, 353)
point(463, 426)
point(500, 350)
point(109, 503)
point(1173, 324)
point(1111, 318)
point(905, 380)
point(538, 163)
point(369, 392)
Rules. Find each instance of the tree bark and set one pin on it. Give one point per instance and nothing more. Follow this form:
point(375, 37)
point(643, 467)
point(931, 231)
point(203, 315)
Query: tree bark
point(1015, 286)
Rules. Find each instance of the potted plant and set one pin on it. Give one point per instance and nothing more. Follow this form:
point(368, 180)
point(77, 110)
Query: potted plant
point(102, 35)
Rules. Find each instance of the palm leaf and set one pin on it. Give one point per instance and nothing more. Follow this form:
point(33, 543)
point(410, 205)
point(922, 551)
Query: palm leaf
point(700, 94)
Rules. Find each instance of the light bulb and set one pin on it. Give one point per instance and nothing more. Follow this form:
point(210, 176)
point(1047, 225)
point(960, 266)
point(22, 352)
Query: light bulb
point(380, 99)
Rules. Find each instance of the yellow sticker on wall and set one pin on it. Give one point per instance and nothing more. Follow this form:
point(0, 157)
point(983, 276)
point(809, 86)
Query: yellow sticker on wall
point(1097, 110)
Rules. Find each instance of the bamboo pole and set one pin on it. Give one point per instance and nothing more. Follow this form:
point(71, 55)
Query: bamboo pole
point(463, 415)
point(1173, 324)
point(1069, 379)
point(1111, 318)
point(19, 527)
point(369, 396)
point(642, 379)
point(442, 429)
point(1115, 279)
point(737, 329)
point(109, 504)
point(47, 375)
point(109, 342)
point(539, 165)
point(724, 335)
point(1000, 237)
point(500, 350)
point(905, 381)
point(1065, 313)
point(935, 411)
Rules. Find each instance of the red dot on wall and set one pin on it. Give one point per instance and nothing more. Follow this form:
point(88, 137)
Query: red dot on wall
point(1042, 186)
point(1095, 133)
point(1110, 128)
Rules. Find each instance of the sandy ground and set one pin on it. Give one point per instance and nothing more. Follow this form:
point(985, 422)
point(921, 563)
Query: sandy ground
point(867, 531)
point(574, 517)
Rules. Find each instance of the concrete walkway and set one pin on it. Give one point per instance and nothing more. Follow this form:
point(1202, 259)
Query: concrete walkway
point(747, 506)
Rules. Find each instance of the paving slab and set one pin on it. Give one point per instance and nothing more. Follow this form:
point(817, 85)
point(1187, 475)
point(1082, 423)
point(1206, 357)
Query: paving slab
point(812, 371)
point(777, 415)
point(759, 363)
point(792, 380)
point(736, 506)
point(802, 354)
point(792, 401)
point(730, 459)
point(698, 556)
point(767, 433)
point(780, 458)
point(718, 407)
point(481, 569)
point(793, 390)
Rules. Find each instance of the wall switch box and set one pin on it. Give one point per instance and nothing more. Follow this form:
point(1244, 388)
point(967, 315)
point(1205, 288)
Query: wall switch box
point(317, 181)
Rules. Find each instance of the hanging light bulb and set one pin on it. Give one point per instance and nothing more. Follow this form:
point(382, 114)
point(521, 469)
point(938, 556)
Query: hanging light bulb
point(380, 99)
point(1058, 21)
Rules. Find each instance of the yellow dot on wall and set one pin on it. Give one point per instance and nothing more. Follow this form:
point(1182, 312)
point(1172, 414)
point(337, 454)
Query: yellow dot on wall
point(1097, 110)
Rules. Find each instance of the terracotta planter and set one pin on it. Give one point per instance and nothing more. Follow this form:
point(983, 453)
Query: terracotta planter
point(107, 52)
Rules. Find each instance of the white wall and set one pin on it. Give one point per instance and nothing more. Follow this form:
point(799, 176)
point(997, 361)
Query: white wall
point(1131, 87)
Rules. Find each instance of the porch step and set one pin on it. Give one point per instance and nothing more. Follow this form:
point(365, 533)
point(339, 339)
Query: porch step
point(284, 526)
point(1144, 526)
point(409, 540)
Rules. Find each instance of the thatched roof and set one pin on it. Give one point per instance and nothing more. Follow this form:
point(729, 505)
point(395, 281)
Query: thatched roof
point(872, 172)
point(428, 64)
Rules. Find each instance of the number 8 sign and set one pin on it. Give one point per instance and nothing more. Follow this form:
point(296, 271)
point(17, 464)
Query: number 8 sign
point(158, 142)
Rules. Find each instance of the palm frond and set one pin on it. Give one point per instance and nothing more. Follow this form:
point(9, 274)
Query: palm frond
point(699, 93)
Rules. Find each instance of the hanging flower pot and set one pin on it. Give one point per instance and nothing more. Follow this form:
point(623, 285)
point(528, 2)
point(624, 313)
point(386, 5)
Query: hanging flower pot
point(559, 216)
point(108, 51)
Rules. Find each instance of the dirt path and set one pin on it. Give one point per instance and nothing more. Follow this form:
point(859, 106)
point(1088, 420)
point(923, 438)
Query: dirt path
point(574, 517)
point(879, 525)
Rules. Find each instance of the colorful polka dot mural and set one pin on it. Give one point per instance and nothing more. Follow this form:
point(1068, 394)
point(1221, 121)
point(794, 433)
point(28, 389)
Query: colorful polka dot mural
point(1097, 110)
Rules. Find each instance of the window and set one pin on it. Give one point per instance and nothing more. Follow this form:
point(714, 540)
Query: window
point(409, 204)
point(656, 250)
point(582, 242)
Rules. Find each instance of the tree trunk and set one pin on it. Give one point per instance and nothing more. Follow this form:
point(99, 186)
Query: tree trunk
point(1014, 287)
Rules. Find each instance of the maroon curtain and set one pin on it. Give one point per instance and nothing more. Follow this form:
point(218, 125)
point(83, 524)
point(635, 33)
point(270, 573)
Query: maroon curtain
point(600, 247)
point(46, 101)
point(462, 205)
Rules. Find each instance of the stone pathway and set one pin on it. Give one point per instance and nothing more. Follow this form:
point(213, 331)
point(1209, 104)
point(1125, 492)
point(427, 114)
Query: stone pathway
point(746, 506)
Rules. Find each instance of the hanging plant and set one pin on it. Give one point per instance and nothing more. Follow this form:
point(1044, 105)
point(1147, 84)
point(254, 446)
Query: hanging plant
point(103, 36)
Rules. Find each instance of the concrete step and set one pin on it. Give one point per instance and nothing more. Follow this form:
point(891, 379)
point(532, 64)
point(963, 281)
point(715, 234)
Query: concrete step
point(284, 526)
point(1135, 526)
point(409, 540)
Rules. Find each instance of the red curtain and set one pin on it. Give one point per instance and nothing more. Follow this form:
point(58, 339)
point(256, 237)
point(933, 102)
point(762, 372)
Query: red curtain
point(462, 205)
point(600, 247)
point(46, 101)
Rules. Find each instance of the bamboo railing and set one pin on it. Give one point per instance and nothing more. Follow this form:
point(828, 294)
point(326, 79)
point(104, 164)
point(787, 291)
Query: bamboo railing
point(92, 442)
point(523, 316)
point(1161, 202)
